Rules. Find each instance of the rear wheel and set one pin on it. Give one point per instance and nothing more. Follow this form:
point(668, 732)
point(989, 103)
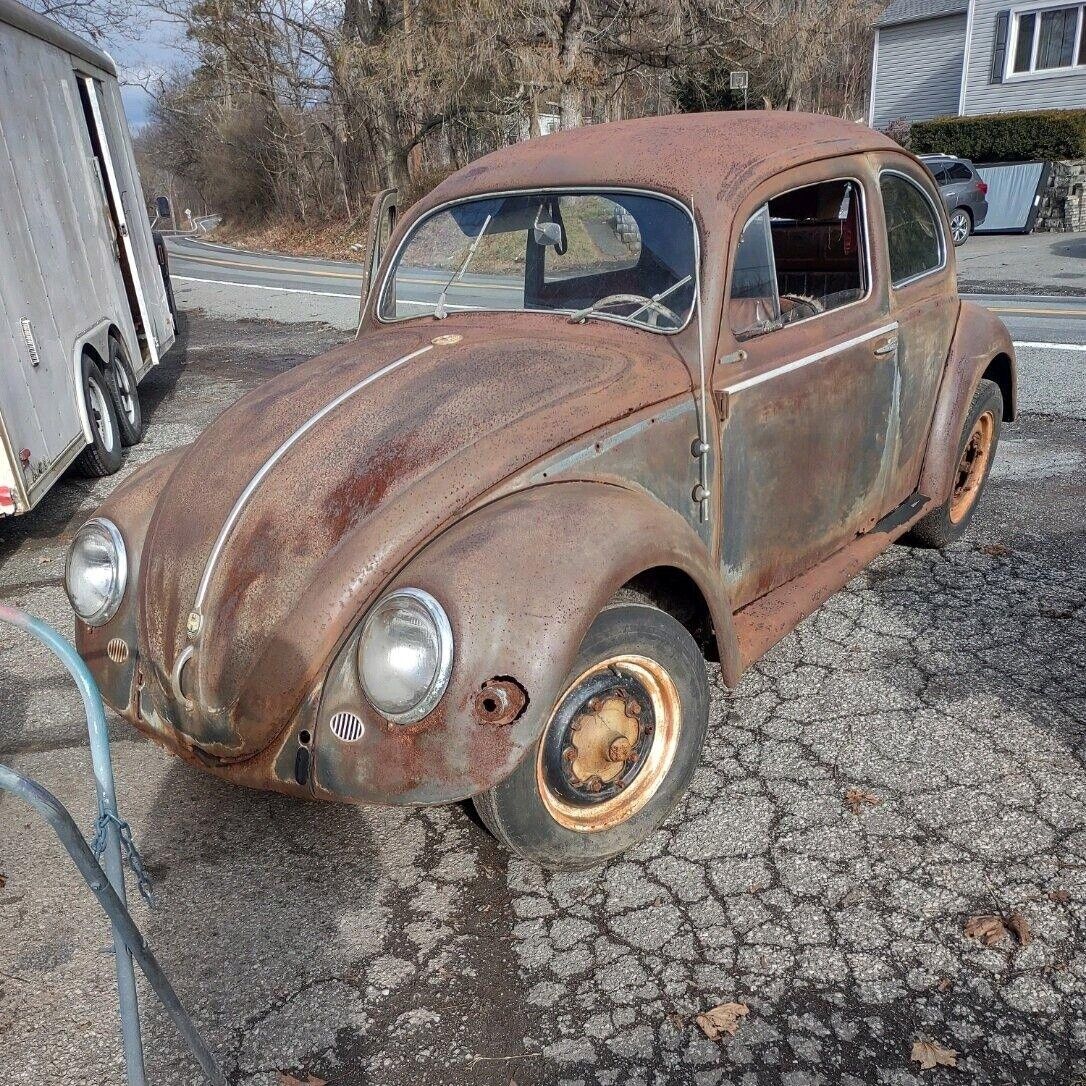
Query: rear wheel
point(961, 225)
point(126, 398)
point(976, 450)
point(103, 455)
point(619, 749)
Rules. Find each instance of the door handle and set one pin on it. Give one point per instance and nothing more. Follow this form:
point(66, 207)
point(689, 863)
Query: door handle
point(887, 346)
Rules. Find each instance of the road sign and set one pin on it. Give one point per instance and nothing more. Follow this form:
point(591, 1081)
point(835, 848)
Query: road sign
point(738, 80)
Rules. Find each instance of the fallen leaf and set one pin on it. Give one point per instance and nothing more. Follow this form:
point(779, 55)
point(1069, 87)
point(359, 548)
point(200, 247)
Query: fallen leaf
point(996, 550)
point(987, 929)
point(944, 984)
point(850, 898)
point(929, 1054)
point(4, 880)
point(286, 1079)
point(1020, 926)
point(725, 1018)
point(1060, 896)
point(856, 799)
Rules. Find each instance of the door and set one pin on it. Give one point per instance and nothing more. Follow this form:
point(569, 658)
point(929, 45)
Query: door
point(121, 201)
point(807, 393)
point(924, 302)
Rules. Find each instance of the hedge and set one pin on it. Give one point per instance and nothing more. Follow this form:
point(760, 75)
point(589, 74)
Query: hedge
point(1004, 137)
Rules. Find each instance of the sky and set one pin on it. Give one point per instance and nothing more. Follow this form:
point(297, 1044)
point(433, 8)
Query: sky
point(153, 51)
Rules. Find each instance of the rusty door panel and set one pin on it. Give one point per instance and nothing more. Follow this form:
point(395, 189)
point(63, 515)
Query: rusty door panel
point(804, 454)
point(803, 465)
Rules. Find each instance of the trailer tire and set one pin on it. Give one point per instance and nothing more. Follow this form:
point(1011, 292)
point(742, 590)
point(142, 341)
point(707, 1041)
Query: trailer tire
point(126, 397)
point(103, 455)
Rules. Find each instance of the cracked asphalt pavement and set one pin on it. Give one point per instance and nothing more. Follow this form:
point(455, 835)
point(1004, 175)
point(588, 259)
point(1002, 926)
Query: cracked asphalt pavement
point(403, 947)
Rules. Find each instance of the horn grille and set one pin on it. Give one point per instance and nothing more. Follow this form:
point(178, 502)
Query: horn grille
point(347, 727)
point(117, 650)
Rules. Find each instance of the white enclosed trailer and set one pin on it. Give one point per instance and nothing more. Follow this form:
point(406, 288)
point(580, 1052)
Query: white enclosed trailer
point(84, 307)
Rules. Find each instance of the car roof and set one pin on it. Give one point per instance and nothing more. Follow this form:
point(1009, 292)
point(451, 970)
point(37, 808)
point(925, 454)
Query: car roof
point(715, 157)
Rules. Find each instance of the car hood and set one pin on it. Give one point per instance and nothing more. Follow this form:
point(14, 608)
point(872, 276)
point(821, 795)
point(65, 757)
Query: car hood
point(296, 506)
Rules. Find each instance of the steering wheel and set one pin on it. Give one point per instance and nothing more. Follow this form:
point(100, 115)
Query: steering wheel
point(640, 300)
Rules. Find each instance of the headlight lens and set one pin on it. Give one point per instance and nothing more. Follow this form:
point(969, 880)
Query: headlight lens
point(96, 572)
point(405, 655)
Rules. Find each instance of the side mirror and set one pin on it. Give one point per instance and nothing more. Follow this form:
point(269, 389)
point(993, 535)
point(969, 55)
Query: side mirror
point(382, 221)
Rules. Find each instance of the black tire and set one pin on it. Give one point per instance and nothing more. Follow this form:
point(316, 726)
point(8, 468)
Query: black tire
point(126, 397)
point(961, 225)
point(103, 455)
point(516, 812)
point(941, 526)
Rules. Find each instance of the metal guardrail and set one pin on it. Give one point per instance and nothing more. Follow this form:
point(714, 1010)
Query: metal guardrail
point(108, 884)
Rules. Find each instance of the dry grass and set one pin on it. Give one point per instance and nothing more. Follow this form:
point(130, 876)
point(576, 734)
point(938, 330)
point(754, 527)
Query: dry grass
point(331, 240)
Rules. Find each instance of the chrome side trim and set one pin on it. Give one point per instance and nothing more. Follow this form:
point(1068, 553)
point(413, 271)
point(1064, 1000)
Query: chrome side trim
point(261, 475)
point(760, 378)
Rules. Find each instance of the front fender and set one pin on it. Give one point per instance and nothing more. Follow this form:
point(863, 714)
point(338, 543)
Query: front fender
point(980, 338)
point(522, 580)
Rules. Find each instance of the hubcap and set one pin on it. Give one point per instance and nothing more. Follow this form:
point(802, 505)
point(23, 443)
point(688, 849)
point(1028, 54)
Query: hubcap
point(609, 743)
point(972, 467)
point(124, 393)
point(103, 424)
point(959, 227)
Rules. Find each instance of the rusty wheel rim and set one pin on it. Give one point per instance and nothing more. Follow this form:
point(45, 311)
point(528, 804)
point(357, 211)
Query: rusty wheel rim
point(609, 743)
point(972, 467)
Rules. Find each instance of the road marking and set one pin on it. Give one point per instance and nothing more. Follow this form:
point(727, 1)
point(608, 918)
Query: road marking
point(1038, 312)
point(260, 286)
point(266, 267)
point(1052, 346)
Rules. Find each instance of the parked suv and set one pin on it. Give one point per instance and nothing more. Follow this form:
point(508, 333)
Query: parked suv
point(964, 193)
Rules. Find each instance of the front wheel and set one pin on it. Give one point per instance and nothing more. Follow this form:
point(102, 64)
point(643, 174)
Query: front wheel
point(618, 751)
point(961, 226)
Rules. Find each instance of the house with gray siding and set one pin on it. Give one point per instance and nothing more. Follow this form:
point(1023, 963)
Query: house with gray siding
point(938, 58)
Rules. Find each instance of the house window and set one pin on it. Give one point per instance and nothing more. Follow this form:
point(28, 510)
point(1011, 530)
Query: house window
point(1049, 39)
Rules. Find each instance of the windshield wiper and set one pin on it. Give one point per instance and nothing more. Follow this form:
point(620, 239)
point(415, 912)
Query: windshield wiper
point(440, 312)
point(589, 310)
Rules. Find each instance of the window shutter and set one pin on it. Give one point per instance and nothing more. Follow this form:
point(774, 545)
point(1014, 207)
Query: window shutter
point(999, 47)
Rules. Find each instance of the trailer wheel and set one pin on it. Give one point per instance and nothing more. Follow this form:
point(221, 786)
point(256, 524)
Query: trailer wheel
point(126, 397)
point(103, 455)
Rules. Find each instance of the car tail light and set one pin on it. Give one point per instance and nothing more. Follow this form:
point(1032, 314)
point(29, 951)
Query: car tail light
point(982, 188)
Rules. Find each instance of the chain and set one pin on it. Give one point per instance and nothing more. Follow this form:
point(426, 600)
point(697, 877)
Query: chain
point(129, 852)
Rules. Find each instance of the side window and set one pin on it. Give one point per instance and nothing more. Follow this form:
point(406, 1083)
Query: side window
point(959, 172)
point(914, 234)
point(754, 306)
point(800, 255)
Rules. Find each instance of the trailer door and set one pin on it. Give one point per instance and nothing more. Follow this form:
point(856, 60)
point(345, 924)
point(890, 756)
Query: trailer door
point(119, 204)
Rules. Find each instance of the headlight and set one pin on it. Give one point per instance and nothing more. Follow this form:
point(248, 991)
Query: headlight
point(96, 572)
point(405, 655)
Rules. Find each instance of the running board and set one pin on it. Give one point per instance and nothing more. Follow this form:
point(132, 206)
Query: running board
point(762, 623)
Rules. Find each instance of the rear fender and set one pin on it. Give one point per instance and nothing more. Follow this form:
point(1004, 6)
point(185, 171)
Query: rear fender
point(981, 345)
point(522, 580)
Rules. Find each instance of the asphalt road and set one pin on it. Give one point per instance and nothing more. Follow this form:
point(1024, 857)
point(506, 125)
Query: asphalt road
point(1030, 318)
point(403, 947)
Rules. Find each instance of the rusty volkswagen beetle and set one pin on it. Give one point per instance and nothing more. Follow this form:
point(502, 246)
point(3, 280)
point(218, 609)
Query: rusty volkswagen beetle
point(622, 399)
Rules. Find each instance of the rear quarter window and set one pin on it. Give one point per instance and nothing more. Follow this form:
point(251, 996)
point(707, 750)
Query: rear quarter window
point(914, 232)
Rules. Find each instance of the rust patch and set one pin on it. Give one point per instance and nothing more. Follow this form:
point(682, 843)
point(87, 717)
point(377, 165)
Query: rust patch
point(500, 701)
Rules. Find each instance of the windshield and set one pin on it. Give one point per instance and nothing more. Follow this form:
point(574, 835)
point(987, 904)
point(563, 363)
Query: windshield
point(609, 255)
